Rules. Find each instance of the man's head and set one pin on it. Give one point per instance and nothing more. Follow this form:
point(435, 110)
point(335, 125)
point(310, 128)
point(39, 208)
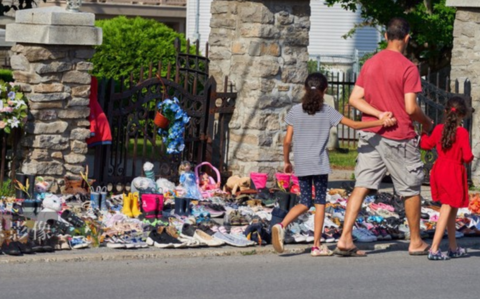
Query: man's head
point(397, 29)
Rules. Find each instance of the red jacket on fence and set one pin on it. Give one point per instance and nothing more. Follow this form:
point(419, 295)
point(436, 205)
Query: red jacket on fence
point(99, 126)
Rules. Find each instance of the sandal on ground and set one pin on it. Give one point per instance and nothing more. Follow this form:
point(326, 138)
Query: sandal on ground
point(437, 256)
point(459, 252)
point(322, 251)
point(421, 252)
point(352, 252)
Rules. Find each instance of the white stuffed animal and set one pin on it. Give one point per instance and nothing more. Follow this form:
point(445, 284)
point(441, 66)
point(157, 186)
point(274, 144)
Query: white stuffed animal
point(52, 203)
point(165, 186)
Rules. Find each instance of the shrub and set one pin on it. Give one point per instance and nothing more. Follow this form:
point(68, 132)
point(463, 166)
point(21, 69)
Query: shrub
point(6, 75)
point(130, 43)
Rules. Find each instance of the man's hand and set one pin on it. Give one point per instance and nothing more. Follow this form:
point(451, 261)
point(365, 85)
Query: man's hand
point(387, 118)
point(427, 125)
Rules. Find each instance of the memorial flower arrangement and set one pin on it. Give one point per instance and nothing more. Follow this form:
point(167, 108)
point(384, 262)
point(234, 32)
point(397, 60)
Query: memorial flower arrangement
point(172, 135)
point(13, 107)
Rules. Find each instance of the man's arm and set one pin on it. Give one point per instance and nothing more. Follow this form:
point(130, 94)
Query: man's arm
point(415, 113)
point(357, 100)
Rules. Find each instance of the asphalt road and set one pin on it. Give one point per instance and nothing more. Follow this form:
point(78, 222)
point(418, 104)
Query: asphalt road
point(391, 274)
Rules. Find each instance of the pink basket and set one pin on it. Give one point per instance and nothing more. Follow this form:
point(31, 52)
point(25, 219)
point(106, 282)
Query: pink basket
point(294, 179)
point(285, 177)
point(259, 179)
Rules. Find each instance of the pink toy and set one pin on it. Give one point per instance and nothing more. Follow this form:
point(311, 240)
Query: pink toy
point(206, 182)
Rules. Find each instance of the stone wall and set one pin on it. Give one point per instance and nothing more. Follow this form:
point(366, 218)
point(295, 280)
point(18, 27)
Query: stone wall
point(56, 82)
point(49, 62)
point(466, 65)
point(262, 47)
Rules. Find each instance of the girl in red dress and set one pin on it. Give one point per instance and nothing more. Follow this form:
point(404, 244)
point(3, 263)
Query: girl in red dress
point(448, 179)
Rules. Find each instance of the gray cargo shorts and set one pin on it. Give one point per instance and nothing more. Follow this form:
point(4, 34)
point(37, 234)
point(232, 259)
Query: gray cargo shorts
point(401, 158)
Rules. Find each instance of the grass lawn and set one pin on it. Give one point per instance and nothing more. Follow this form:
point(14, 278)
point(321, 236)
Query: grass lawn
point(343, 158)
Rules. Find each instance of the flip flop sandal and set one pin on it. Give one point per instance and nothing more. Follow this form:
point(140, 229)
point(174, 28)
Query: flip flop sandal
point(353, 252)
point(421, 252)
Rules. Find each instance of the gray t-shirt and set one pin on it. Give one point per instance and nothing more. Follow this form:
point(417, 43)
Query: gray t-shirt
point(310, 138)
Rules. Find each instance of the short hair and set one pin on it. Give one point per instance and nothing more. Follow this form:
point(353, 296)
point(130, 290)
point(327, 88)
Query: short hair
point(397, 29)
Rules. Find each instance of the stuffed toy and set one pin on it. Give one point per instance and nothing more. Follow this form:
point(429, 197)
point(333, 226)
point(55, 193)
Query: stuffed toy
point(51, 203)
point(236, 183)
point(145, 185)
point(165, 186)
point(188, 182)
point(41, 186)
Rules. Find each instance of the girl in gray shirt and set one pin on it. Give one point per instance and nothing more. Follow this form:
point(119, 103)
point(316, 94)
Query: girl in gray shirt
point(311, 121)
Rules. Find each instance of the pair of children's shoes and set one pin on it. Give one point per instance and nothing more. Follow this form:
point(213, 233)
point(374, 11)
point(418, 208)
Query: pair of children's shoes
point(439, 256)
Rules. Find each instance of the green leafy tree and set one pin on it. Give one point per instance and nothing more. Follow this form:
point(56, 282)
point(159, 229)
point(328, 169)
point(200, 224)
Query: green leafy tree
point(130, 43)
point(431, 25)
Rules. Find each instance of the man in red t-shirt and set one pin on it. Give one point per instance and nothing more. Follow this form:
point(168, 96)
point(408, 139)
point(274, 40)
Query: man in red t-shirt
point(388, 82)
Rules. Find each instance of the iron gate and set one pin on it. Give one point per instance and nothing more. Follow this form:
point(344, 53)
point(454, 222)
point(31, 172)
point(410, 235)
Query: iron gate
point(131, 110)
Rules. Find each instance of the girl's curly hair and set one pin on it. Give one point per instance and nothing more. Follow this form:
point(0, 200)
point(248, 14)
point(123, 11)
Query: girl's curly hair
point(315, 86)
point(455, 111)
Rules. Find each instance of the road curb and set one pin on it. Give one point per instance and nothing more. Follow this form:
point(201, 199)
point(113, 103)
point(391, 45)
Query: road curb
point(105, 254)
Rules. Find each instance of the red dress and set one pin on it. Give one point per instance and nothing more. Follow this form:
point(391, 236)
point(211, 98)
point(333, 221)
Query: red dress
point(448, 179)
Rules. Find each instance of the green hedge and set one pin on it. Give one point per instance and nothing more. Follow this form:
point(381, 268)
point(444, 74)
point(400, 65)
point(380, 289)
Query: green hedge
point(6, 75)
point(130, 43)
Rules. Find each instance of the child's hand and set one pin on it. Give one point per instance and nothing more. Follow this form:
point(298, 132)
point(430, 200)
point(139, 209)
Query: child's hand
point(387, 119)
point(287, 168)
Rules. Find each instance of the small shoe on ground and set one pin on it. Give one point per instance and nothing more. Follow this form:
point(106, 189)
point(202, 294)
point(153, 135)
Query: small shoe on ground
point(278, 235)
point(232, 241)
point(322, 251)
point(205, 238)
point(79, 242)
point(437, 256)
point(459, 252)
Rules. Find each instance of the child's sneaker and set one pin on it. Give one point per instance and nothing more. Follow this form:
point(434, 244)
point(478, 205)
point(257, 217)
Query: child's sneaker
point(278, 234)
point(322, 251)
point(459, 252)
point(437, 256)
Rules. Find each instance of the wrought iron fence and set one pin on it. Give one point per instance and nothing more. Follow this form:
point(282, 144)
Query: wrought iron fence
point(131, 107)
point(8, 151)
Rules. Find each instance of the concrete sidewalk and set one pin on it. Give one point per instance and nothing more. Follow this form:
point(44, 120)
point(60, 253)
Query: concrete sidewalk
point(107, 254)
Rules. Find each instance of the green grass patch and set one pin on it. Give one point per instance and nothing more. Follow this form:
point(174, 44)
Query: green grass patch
point(141, 144)
point(343, 158)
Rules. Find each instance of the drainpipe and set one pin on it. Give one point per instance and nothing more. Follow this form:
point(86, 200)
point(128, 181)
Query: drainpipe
point(196, 35)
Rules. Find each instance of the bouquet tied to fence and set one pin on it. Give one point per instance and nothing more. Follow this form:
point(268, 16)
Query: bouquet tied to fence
point(13, 107)
point(172, 136)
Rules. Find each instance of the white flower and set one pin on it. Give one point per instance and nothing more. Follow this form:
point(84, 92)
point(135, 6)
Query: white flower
point(14, 122)
point(19, 103)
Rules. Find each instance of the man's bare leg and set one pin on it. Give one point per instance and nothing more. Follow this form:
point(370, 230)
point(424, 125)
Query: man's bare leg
point(354, 205)
point(412, 210)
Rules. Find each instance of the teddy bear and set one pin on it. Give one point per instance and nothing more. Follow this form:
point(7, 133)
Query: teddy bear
point(236, 183)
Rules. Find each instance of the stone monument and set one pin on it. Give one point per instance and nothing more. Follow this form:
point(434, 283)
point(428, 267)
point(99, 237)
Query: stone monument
point(49, 62)
point(262, 47)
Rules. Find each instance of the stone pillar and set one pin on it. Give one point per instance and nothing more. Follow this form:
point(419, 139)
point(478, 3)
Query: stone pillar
point(466, 64)
point(49, 62)
point(262, 47)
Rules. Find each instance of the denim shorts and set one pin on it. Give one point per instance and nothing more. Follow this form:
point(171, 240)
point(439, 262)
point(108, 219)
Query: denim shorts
point(320, 182)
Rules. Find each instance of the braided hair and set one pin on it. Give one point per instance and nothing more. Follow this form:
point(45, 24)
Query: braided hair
point(455, 111)
point(315, 86)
